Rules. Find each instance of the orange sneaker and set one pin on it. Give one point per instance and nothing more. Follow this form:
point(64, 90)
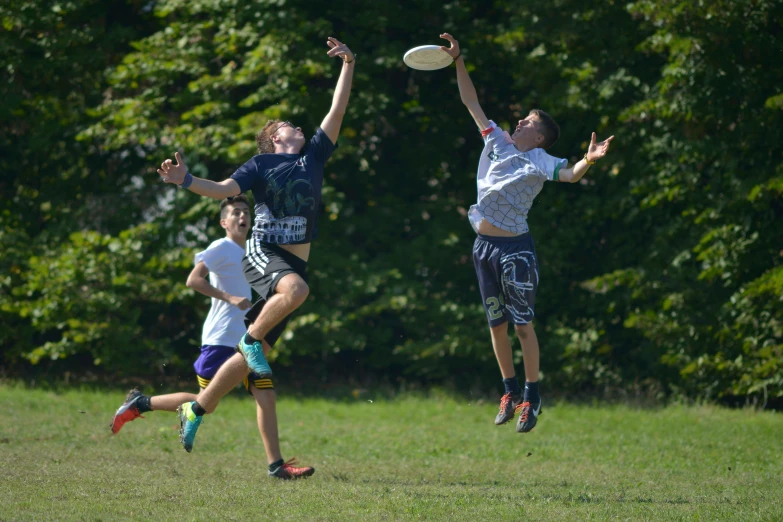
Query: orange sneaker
point(127, 412)
point(289, 471)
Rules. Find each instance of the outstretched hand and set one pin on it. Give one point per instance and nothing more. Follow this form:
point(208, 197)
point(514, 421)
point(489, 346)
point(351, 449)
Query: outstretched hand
point(452, 51)
point(597, 151)
point(173, 173)
point(337, 48)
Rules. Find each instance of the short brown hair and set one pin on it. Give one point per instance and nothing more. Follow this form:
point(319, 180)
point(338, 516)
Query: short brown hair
point(264, 138)
point(232, 200)
point(549, 128)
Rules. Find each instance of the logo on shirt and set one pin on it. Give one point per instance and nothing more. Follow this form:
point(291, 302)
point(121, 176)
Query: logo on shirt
point(492, 156)
point(289, 198)
point(520, 161)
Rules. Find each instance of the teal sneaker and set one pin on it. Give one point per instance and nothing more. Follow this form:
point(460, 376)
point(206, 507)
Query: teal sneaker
point(188, 425)
point(254, 356)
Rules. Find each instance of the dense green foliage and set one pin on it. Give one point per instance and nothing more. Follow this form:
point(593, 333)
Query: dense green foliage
point(662, 269)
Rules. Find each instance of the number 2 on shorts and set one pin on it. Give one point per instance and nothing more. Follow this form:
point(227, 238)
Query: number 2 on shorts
point(494, 305)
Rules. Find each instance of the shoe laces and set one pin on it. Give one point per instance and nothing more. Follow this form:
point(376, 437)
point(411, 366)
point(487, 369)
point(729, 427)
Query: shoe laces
point(525, 407)
point(291, 466)
point(505, 401)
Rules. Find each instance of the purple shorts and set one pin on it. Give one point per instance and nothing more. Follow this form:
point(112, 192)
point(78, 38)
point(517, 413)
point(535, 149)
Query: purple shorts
point(212, 358)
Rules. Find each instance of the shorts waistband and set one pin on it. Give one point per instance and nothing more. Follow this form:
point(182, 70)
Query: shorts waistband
point(504, 239)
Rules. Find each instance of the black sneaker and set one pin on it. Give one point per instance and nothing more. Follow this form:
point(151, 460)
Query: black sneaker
point(289, 471)
point(528, 416)
point(508, 404)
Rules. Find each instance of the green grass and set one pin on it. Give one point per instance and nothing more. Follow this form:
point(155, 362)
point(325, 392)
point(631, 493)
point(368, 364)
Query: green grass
point(412, 458)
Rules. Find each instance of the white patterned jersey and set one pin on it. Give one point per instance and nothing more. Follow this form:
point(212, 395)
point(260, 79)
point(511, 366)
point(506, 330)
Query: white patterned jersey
point(508, 180)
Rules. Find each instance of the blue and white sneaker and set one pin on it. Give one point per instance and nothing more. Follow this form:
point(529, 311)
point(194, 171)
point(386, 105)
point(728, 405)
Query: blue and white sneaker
point(254, 356)
point(188, 425)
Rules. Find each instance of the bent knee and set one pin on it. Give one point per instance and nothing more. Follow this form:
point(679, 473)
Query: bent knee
point(523, 330)
point(300, 293)
point(264, 398)
point(293, 287)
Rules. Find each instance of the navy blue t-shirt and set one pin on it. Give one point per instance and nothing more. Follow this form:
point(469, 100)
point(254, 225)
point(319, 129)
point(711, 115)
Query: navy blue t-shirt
point(287, 190)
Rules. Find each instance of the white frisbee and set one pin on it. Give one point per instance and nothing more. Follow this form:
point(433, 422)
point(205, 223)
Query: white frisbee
point(427, 58)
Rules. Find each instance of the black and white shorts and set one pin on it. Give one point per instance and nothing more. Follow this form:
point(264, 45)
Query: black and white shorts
point(264, 265)
point(507, 270)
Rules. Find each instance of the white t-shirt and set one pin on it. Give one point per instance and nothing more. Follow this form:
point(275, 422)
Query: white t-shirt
point(508, 180)
point(224, 325)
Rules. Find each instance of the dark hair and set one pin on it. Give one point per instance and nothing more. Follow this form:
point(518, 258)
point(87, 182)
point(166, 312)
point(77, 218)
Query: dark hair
point(232, 200)
point(549, 128)
point(264, 138)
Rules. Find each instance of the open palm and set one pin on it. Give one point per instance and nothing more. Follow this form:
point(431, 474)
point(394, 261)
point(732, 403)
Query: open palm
point(173, 172)
point(597, 151)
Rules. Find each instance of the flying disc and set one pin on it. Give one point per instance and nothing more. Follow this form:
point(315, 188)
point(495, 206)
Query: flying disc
point(427, 58)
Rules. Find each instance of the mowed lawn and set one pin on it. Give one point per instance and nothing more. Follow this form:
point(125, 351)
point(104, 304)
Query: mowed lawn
point(435, 458)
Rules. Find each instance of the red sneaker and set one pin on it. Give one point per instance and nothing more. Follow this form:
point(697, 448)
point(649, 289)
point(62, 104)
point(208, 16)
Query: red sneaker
point(127, 412)
point(289, 471)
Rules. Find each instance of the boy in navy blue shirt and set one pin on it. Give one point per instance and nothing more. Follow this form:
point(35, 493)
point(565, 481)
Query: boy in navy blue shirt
point(286, 179)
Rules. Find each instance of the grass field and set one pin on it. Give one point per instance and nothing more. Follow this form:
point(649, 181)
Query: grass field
point(435, 458)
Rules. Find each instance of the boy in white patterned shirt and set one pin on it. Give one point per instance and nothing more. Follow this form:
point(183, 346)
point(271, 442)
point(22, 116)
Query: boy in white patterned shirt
point(511, 172)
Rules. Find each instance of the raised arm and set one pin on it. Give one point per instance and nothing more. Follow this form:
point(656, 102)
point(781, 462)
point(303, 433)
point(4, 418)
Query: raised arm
point(197, 281)
point(334, 119)
point(595, 152)
point(178, 174)
point(467, 92)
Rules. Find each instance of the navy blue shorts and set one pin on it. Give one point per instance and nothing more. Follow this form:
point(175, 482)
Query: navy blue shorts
point(507, 270)
point(212, 358)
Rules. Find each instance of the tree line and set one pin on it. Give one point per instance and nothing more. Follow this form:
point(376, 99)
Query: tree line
point(662, 270)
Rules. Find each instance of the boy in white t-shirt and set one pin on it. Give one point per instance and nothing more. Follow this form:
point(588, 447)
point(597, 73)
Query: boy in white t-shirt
point(223, 328)
point(512, 171)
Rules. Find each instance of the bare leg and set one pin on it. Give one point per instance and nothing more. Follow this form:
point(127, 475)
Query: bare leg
point(171, 401)
point(290, 293)
point(229, 375)
point(266, 413)
point(267, 423)
point(501, 343)
point(527, 336)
